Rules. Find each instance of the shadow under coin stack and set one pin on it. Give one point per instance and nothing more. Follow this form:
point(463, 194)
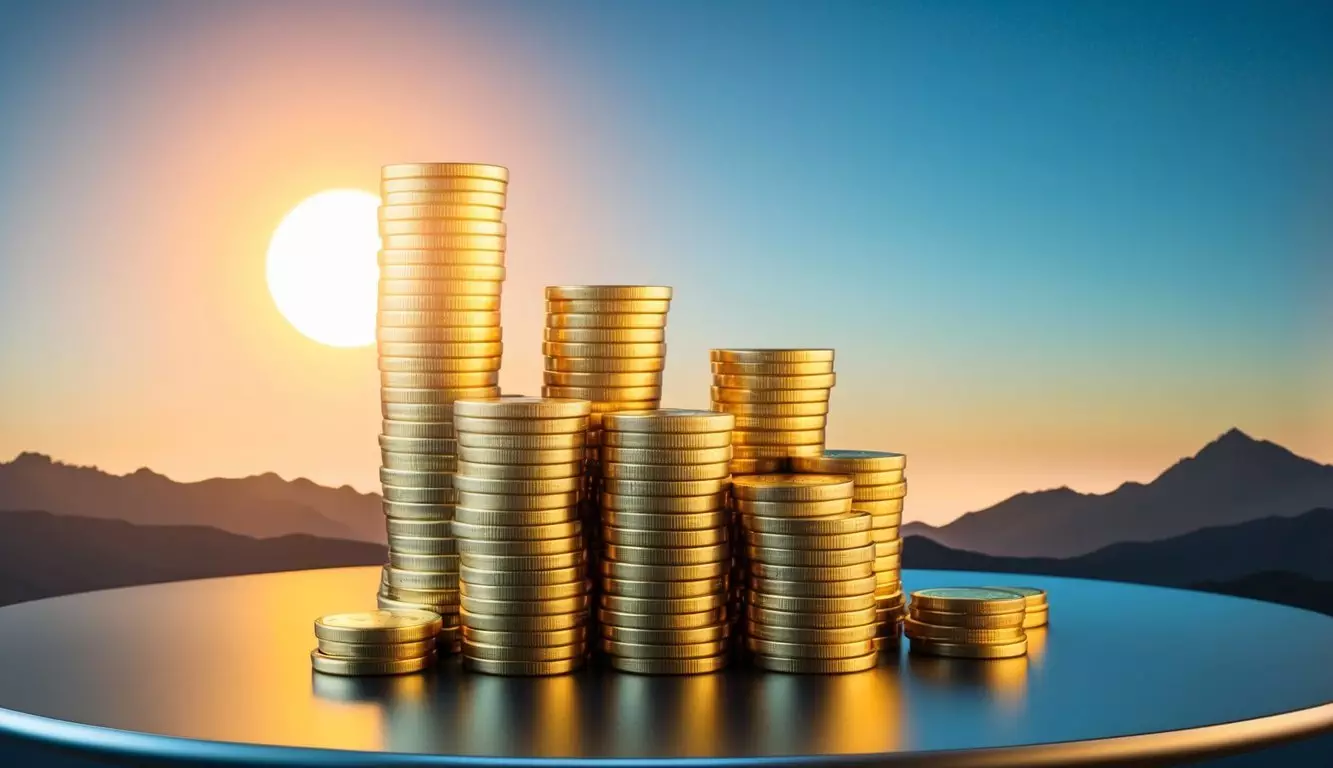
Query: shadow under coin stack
point(880, 489)
point(377, 642)
point(967, 622)
point(663, 603)
point(525, 589)
point(811, 599)
point(438, 331)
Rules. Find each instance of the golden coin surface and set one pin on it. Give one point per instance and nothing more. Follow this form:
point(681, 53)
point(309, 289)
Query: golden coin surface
point(604, 364)
point(446, 317)
point(527, 653)
point(889, 492)
point(819, 408)
point(813, 558)
point(662, 620)
point(686, 507)
point(668, 555)
point(640, 572)
point(423, 545)
point(512, 457)
point(516, 502)
point(417, 303)
point(790, 588)
point(771, 531)
point(792, 488)
point(526, 592)
point(885, 534)
point(881, 509)
point(531, 442)
point(335, 665)
point(538, 623)
point(620, 471)
point(378, 626)
point(966, 651)
point(1012, 620)
point(513, 408)
point(529, 547)
point(551, 638)
point(758, 466)
point(424, 580)
point(1036, 617)
point(666, 456)
point(700, 666)
point(885, 477)
point(702, 603)
point(666, 521)
point(666, 440)
point(441, 226)
point(520, 517)
point(425, 596)
point(1035, 598)
point(434, 279)
point(732, 395)
point(446, 198)
point(440, 380)
point(444, 170)
point(445, 334)
point(447, 611)
point(414, 349)
point(670, 420)
point(604, 335)
point(520, 471)
point(813, 381)
point(772, 369)
point(610, 320)
point(435, 529)
point(770, 355)
point(576, 349)
point(559, 605)
point(439, 257)
point(968, 600)
point(406, 478)
point(636, 537)
point(742, 452)
point(814, 635)
point(523, 668)
point(440, 211)
point(443, 242)
point(418, 437)
point(609, 306)
point(469, 484)
point(891, 547)
point(806, 437)
point(377, 651)
point(415, 462)
point(853, 540)
point(709, 634)
point(390, 188)
point(431, 396)
point(517, 532)
point(601, 292)
point(917, 630)
point(664, 487)
point(810, 651)
point(817, 666)
point(401, 510)
point(674, 651)
point(828, 613)
point(663, 590)
point(780, 423)
point(472, 575)
point(440, 364)
point(418, 495)
point(614, 380)
point(575, 559)
point(617, 394)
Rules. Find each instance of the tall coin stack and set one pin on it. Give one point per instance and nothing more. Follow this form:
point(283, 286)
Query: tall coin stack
point(438, 329)
point(523, 572)
point(880, 490)
point(666, 555)
point(811, 598)
point(605, 344)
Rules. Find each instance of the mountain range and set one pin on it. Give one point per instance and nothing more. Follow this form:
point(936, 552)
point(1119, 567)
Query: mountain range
point(1233, 479)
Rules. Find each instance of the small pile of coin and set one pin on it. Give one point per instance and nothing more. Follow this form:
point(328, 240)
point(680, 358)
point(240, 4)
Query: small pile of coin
point(438, 331)
point(378, 642)
point(967, 622)
point(811, 598)
point(880, 491)
point(780, 398)
point(666, 556)
point(523, 572)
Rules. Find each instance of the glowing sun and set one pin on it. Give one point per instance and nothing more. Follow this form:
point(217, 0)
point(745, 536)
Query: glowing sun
point(322, 270)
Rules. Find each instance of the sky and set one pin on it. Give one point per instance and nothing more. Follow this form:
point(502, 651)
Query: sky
point(1052, 243)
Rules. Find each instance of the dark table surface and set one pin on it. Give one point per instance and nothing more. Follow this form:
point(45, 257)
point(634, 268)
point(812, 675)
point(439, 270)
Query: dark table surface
point(218, 670)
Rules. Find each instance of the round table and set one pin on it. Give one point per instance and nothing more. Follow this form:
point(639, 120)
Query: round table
point(217, 671)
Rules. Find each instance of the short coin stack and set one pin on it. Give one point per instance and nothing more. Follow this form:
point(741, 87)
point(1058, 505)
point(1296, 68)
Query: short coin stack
point(880, 491)
point(376, 642)
point(438, 329)
point(967, 622)
point(666, 557)
point(811, 598)
point(780, 398)
point(523, 572)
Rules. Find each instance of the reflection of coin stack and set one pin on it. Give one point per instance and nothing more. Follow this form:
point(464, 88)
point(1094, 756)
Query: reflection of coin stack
point(441, 270)
point(811, 598)
point(880, 491)
point(666, 556)
point(525, 591)
point(605, 344)
point(967, 622)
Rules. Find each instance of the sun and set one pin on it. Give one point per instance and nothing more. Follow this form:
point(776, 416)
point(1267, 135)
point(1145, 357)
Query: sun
point(322, 269)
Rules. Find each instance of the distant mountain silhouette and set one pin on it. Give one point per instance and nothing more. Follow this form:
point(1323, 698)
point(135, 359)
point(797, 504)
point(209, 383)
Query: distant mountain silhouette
point(43, 555)
point(261, 505)
point(1231, 480)
point(1278, 587)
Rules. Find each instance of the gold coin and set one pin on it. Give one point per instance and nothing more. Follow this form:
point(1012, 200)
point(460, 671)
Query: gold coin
point(668, 555)
point(423, 580)
point(434, 278)
point(551, 638)
point(742, 452)
point(686, 523)
point(676, 651)
point(968, 600)
point(816, 612)
point(508, 457)
point(783, 532)
point(573, 349)
point(604, 406)
point(333, 665)
point(881, 492)
point(638, 572)
point(807, 437)
point(1035, 598)
point(882, 535)
point(1034, 618)
point(605, 335)
point(880, 509)
point(443, 242)
point(812, 558)
point(670, 420)
point(614, 380)
point(419, 495)
point(404, 478)
point(524, 668)
point(966, 651)
point(604, 292)
point(432, 396)
point(424, 512)
point(434, 563)
point(819, 408)
point(418, 437)
point(801, 651)
point(1012, 620)
point(686, 507)
point(549, 442)
point(444, 170)
point(440, 380)
point(883, 549)
point(556, 546)
point(521, 471)
point(449, 198)
point(418, 303)
point(434, 529)
point(378, 626)
point(417, 318)
point(781, 424)
point(448, 612)
point(874, 479)
point(859, 586)
point(413, 349)
point(609, 306)
point(415, 462)
point(519, 517)
point(473, 576)
point(770, 355)
point(517, 502)
point(700, 666)
point(772, 369)
point(469, 484)
point(423, 545)
point(796, 488)
point(439, 211)
point(441, 597)
point(710, 634)
point(590, 365)
point(575, 559)
point(663, 590)
point(624, 320)
point(617, 394)
point(559, 605)
point(664, 487)
point(636, 605)
point(434, 334)
point(440, 364)
point(816, 381)
point(667, 456)
point(757, 466)
point(854, 540)
point(661, 620)
point(792, 510)
point(438, 184)
point(665, 472)
point(440, 257)
point(538, 623)
point(667, 441)
point(817, 666)
point(887, 566)
point(519, 408)
point(517, 532)
point(522, 653)
point(526, 592)
point(728, 395)
point(814, 635)
point(441, 226)
point(377, 651)
point(634, 537)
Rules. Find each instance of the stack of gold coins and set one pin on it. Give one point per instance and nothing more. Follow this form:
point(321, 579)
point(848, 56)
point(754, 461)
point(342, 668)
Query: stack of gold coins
point(880, 491)
point(1037, 611)
point(378, 642)
point(523, 572)
point(811, 598)
point(967, 622)
point(666, 557)
point(438, 328)
point(780, 398)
